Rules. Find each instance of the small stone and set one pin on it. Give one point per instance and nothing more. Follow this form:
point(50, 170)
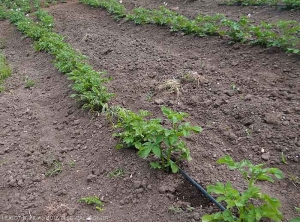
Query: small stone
point(163, 189)
point(248, 121)
point(285, 123)
point(76, 122)
point(248, 97)
point(229, 92)
point(140, 190)
point(218, 103)
point(171, 196)
point(234, 63)
point(144, 183)
point(196, 216)
point(61, 193)
point(149, 187)
point(36, 179)
point(232, 136)
point(91, 177)
point(137, 184)
point(272, 118)
point(265, 156)
point(71, 211)
point(158, 101)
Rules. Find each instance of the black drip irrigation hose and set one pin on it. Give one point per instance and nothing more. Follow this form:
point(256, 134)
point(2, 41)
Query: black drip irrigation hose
point(198, 186)
point(201, 189)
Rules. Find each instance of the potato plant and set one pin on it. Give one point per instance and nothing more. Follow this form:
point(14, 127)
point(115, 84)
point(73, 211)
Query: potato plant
point(248, 205)
point(150, 136)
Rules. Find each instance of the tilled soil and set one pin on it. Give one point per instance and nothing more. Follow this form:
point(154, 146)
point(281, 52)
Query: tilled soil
point(246, 99)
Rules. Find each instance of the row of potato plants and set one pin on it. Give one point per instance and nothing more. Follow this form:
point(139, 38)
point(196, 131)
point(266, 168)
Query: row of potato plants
point(281, 34)
point(285, 4)
point(151, 137)
point(147, 135)
point(88, 84)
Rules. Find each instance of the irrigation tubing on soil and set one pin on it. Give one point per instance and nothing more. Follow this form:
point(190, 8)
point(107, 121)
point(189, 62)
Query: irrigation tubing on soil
point(201, 189)
point(198, 186)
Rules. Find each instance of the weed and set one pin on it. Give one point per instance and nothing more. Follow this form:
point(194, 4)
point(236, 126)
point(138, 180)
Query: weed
point(248, 132)
point(233, 87)
point(55, 168)
point(92, 200)
point(294, 179)
point(72, 163)
point(283, 159)
point(190, 209)
point(2, 162)
point(150, 95)
point(116, 173)
point(2, 43)
point(202, 64)
point(187, 78)
point(250, 205)
point(29, 83)
point(174, 209)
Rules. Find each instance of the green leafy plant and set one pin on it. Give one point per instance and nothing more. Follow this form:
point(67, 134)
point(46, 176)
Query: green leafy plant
point(119, 172)
point(175, 210)
point(55, 168)
point(29, 83)
point(149, 136)
point(149, 95)
point(93, 200)
point(72, 163)
point(294, 179)
point(283, 159)
point(248, 132)
point(248, 205)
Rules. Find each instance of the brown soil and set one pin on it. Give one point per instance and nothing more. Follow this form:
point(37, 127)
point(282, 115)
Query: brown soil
point(42, 124)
